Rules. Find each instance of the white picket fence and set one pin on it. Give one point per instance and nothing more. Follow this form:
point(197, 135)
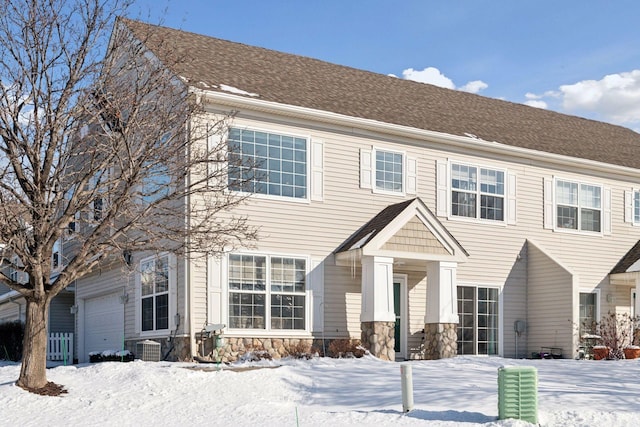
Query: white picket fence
point(60, 347)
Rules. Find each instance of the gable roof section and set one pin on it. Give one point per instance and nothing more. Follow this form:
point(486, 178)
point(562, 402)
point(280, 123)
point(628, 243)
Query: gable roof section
point(630, 262)
point(217, 65)
point(404, 230)
point(373, 227)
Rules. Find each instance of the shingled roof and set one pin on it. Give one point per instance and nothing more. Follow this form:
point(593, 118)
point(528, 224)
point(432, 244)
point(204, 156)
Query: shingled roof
point(629, 262)
point(373, 227)
point(301, 81)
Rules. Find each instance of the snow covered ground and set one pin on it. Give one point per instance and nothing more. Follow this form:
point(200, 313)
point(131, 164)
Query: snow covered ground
point(320, 392)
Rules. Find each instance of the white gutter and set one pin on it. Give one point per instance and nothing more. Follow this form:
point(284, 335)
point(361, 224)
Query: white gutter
point(464, 142)
point(9, 296)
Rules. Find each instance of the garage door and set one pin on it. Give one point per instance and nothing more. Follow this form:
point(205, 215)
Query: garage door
point(104, 324)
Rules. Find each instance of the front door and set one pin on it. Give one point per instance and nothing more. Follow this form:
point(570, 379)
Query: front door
point(400, 309)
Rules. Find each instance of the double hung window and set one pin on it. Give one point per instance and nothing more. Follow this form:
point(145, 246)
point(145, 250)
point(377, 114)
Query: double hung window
point(578, 206)
point(389, 171)
point(267, 292)
point(477, 192)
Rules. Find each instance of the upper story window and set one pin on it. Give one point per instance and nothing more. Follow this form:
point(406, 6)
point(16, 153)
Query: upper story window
point(268, 163)
point(389, 171)
point(636, 207)
point(267, 292)
point(578, 206)
point(477, 192)
point(56, 256)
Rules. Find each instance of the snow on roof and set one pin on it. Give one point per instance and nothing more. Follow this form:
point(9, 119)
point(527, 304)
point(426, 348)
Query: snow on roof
point(237, 91)
point(360, 243)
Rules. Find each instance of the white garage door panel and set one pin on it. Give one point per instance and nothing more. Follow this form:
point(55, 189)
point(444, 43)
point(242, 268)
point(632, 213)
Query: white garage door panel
point(104, 323)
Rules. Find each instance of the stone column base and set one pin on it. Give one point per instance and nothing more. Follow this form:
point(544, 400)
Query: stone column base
point(440, 340)
point(379, 339)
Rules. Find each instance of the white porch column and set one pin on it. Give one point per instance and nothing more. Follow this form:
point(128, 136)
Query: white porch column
point(637, 301)
point(441, 318)
point(377, 317)
point(442, 295)
point(377, 289)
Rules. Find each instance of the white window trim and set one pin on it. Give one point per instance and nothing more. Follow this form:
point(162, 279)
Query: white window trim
point(60, 251)
point(604, 192)
point(308, 138)
point(173, 284)
point(267, 332)
point(598, 303)
point(630, 205)
point(404, 309)
point(374, 188)
point(16, 275)
point(500, 314)
point(508, 204)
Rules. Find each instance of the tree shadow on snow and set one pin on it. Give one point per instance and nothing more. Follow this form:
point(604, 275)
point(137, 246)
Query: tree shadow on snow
point(459, 416)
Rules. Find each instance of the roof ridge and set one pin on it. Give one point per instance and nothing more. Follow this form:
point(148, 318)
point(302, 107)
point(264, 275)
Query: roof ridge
point(292, 79)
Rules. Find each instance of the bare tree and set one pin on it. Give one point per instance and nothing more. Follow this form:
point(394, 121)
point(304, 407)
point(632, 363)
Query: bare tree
point(101, 150)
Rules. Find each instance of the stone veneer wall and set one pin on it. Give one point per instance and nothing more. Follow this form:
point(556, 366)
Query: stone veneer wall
point(440, 340)
point(234, 348)
point(379, 339)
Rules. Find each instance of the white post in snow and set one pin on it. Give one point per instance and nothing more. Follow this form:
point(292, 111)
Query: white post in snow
point(407, 387)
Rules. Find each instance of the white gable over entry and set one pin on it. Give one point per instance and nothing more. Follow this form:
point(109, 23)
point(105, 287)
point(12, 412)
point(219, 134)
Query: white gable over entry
point(409, 236)
point(408, 232)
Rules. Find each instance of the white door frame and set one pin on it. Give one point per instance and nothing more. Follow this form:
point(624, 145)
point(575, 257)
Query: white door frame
point(404, 328)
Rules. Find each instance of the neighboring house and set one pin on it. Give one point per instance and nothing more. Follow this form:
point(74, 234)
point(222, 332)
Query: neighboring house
point(425, 222)
point(13, 307)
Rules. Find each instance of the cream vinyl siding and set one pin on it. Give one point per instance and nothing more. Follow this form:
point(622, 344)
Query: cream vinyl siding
point(497, 252)
point(551, 295)
point(342, 302)
point(117, 277)
point(197, 269)
point(417, 294)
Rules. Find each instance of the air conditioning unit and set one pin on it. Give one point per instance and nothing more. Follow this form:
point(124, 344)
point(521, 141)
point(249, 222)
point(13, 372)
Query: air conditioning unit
point(148, 351)
point(518, 393)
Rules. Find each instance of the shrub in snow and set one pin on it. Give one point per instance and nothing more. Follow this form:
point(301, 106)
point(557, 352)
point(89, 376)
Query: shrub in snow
point(11, 335)
point(111, 356)
point(345, 348)
point(616, 331)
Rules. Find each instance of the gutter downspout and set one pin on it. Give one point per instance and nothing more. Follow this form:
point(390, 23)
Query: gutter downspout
point(188, 300)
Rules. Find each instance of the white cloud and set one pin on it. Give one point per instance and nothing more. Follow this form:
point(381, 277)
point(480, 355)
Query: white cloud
point(614, 98)
point(429, 75)
point(474, 86)
point(537, 103)
point(435, 77)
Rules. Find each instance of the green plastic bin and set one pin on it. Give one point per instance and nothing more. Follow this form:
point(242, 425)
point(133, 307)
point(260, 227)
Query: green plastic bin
point(518, 393)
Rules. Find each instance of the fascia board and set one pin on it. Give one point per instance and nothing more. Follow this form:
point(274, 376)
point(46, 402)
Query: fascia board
point(464, 142)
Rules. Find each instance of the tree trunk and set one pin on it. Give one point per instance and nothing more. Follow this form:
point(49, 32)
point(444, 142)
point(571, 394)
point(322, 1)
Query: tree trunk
point(33, 374)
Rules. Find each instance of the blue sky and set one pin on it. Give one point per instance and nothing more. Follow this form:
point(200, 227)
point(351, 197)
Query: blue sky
point(576, 57)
